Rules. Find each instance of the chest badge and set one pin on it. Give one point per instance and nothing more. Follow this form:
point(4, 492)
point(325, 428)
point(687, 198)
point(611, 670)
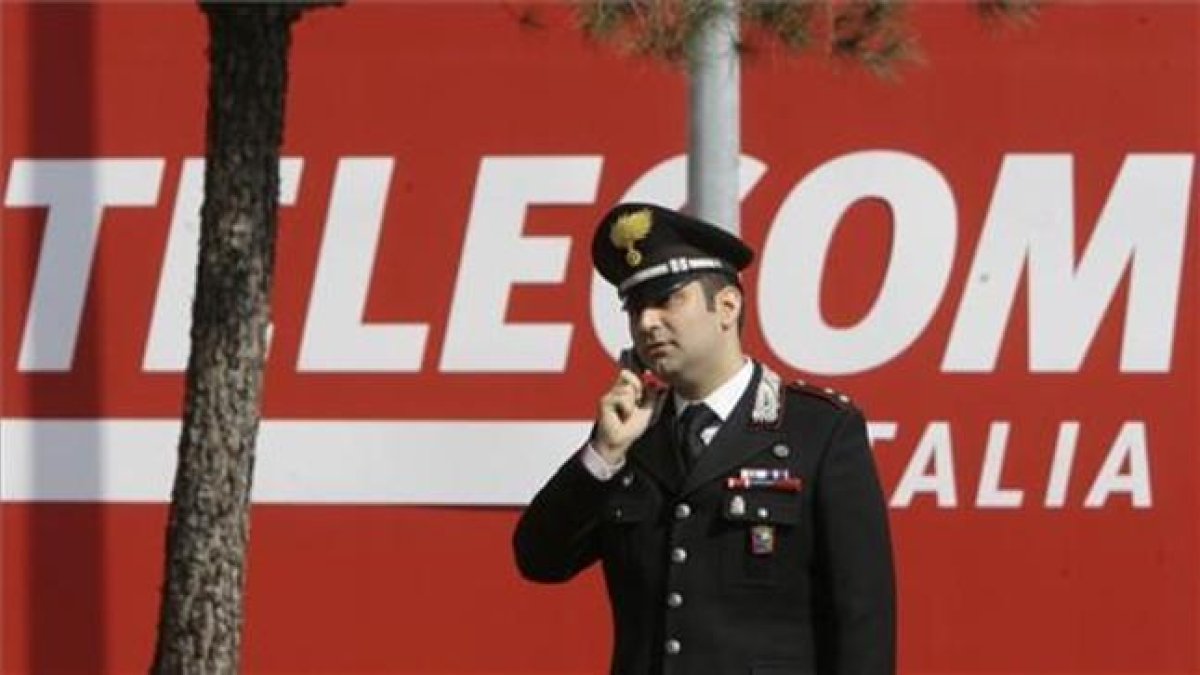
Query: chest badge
point(762, 539)
point(779, 480)
point(737, 506)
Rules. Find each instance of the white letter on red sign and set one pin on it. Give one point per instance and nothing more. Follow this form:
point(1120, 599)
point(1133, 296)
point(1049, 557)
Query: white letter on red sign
point(794, 256)
point(496, 256)
point(168, 344)
point(990, 495)
point(1064, 459)
point(335, 337)
point(76, 192)
point(1032, 216)
point(933, 452)
point(1130, 444)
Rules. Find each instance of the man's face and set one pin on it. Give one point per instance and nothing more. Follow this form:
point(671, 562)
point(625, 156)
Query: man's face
point(681, 335)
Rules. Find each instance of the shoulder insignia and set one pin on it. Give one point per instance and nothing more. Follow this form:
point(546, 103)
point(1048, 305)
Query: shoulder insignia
point(768, 400)
point(826, 394)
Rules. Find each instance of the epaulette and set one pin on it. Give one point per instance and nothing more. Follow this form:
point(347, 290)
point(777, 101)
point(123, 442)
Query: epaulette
point(767, 412)
point(827, 394)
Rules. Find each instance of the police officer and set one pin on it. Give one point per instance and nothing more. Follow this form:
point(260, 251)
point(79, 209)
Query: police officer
point(738, 518)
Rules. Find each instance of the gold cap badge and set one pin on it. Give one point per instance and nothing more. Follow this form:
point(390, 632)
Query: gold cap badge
point(628, 231)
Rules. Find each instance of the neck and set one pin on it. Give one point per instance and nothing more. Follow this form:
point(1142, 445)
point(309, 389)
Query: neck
point(725, 367)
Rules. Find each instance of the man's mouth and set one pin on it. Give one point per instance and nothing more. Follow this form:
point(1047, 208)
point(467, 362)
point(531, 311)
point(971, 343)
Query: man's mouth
point(657, 348)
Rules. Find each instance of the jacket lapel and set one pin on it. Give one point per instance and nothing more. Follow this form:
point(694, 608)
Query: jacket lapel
point(743, 435)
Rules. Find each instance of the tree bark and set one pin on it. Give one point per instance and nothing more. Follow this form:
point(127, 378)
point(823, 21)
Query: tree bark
point(200, 619)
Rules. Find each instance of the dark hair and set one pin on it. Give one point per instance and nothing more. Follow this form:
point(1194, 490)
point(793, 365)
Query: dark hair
point(715, 282)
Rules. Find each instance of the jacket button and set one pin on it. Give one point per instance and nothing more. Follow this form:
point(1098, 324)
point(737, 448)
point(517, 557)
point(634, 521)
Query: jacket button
point(682, 511)
point(678, 555)
point(674, 599)
point(627, 480)
point(673, 646)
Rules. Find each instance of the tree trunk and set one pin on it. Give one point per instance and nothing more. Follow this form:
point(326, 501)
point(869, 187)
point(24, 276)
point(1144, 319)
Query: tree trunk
point(714, 123)
point(200, 619)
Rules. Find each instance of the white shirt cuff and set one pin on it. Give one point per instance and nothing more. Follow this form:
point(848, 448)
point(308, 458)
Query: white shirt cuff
point(596, 465)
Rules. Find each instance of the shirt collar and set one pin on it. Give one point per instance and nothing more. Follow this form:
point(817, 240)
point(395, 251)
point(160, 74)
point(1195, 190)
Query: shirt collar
point(724, 398)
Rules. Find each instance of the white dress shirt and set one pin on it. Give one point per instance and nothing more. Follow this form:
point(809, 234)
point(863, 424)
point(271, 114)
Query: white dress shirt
point(722, 401)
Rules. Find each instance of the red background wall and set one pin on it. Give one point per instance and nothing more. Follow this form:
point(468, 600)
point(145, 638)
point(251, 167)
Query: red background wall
point(433, 590)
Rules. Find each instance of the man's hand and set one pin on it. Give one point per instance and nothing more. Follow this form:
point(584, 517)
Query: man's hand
point(623, 415)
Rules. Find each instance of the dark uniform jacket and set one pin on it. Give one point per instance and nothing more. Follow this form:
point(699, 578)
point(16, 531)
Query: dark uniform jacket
point(706, 576)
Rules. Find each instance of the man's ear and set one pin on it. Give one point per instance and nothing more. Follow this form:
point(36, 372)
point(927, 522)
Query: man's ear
point(729, 306)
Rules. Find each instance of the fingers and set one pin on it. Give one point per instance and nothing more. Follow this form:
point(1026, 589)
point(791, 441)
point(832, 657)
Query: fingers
point(647, 387)
point(623, 398)
point(625, 393)
point(628, 378)
point(623, 414)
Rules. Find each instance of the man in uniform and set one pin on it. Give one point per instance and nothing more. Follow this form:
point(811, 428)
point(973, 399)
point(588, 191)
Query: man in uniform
point(739, 519)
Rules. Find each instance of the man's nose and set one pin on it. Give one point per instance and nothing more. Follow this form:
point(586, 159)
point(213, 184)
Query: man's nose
point(647, 318)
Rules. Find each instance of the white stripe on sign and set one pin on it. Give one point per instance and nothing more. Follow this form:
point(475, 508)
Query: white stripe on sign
point(298, 461)
point(460, 462)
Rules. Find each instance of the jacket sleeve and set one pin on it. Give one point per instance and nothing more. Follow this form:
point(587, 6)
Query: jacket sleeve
point(856, 588)
point(558, 535)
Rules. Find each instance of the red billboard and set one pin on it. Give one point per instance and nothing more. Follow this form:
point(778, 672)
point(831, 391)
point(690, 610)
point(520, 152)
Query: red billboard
point(994, 256)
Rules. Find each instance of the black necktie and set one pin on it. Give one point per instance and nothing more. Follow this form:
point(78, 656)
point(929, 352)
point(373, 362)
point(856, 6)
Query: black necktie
point(694, 419)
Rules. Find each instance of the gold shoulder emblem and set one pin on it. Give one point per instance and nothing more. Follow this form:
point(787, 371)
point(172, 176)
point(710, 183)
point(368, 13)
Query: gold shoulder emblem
point(628, 231)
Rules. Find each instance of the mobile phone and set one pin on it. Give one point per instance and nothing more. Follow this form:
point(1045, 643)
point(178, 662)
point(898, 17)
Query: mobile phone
point(651, 382)
point(629, 360)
